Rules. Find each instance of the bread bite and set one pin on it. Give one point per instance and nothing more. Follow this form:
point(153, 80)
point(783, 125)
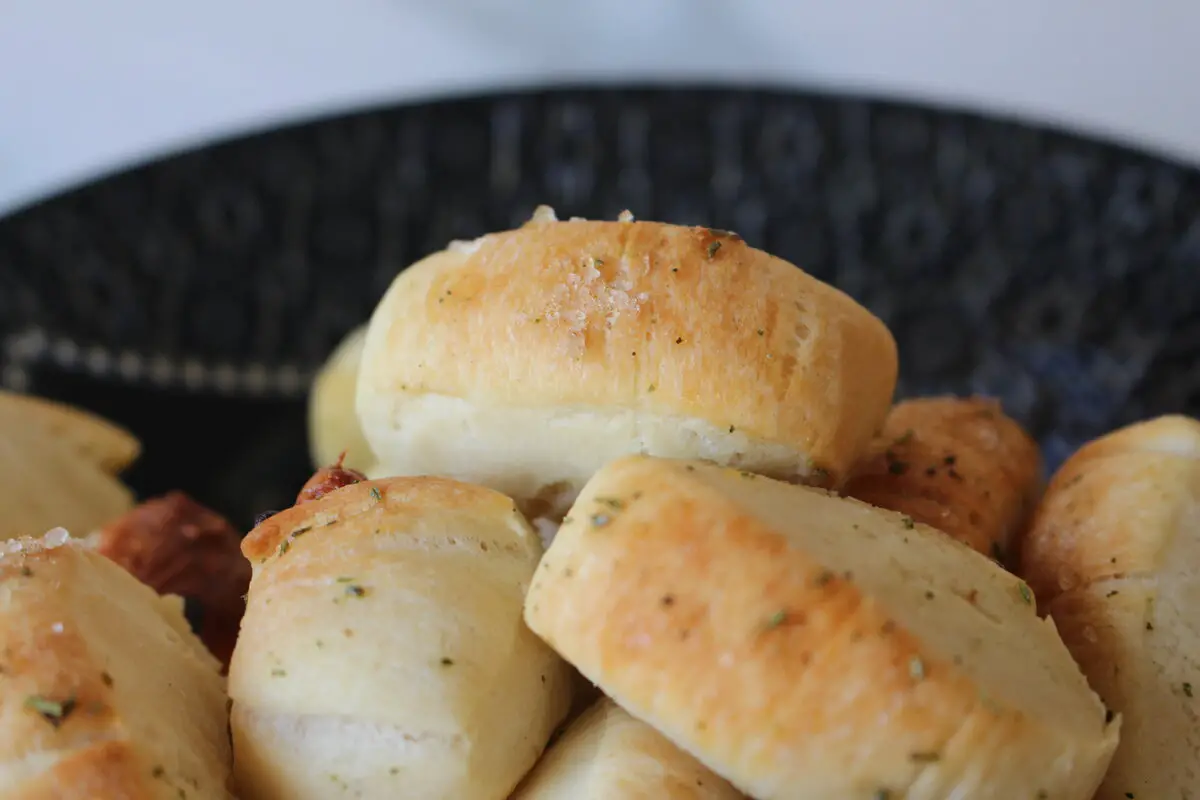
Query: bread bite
point(960, 465)
point(50, 478)
point(105, 444)
point(803, 645)
point(525, 360)
point(608, 755)
point(1114, 555)
point(383, 654)
point(104, 691)
point(333, 429)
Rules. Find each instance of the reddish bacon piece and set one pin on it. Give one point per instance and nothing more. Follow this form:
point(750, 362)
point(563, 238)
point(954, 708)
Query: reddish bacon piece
point(328, 479)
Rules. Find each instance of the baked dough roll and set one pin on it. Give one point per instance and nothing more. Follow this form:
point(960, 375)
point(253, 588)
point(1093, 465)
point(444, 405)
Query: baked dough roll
point(333, 429)
point(608, 755)
point(382, 653)
point(1113, 553)
point(956, 464)
point(104, 691)
point(808, 646)
point(100, 442)
point(528, 359)
point(51, 477)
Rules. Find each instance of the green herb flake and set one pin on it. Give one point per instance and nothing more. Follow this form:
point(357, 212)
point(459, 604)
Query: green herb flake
point(1025, 592)
point(713, 247)
point(278, 672)
point(916, 668)
point(898, 467)
point(26, 571)
point(284, 546)
point(106, 679)
point(650, 389)
point(345, 579)
point(600, 520)
point(905, 437)
point(447, 662)
point(157, 772)
point(53, 711)
point(824, 578)
point(925, 758)
point(762, 332)
point(777, 619)
point(615, 503)
point(354, 590)
point(1187, 689)
point(908, 523)
point(882, 794)
point(374, 492)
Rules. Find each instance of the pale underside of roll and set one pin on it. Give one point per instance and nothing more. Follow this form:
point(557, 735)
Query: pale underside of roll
point(803, 645)
point(608, 755)
point(382, 653)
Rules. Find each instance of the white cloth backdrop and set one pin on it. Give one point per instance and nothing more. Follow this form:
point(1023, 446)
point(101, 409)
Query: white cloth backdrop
point(87, 87)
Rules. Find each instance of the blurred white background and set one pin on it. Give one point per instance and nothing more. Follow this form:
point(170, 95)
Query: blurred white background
point(88, 87)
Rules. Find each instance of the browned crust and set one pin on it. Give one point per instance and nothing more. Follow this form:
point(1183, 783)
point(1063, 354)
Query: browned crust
point(705, 621)
point(700, 325)
point(376, 497)
point(1111, 510)
point(956, 464)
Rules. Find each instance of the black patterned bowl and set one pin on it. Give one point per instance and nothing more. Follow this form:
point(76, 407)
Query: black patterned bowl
point(192, 298)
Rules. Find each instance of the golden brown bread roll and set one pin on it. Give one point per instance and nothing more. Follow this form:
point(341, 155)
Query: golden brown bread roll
point(105, 444)
point(333, 427)
point(525, 360)
point(383, 654)
point(104, 691)
point(1113, 553)
point(608, 755)
point(49, 479)
point(956, 464)
point(807, 646)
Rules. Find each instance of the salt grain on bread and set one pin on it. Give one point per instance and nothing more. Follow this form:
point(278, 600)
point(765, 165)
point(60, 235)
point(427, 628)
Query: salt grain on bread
point(956, 464)
point(608, 755)
point(525, 360)
point(383, 653)
point(1114, 556)
point(105, 692)
point(807, 646)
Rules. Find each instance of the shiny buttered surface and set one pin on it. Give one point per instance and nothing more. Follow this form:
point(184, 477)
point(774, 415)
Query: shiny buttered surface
point(769, 582)
point(803, 645)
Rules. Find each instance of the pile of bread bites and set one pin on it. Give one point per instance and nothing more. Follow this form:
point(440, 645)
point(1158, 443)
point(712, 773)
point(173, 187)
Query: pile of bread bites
point(625, 510)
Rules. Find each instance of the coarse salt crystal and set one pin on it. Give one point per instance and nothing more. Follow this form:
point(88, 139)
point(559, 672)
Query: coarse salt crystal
point(56, 537)
point(544, 214)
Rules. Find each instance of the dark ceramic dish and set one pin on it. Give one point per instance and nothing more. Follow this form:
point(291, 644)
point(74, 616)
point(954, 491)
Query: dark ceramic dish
point(191, 299)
